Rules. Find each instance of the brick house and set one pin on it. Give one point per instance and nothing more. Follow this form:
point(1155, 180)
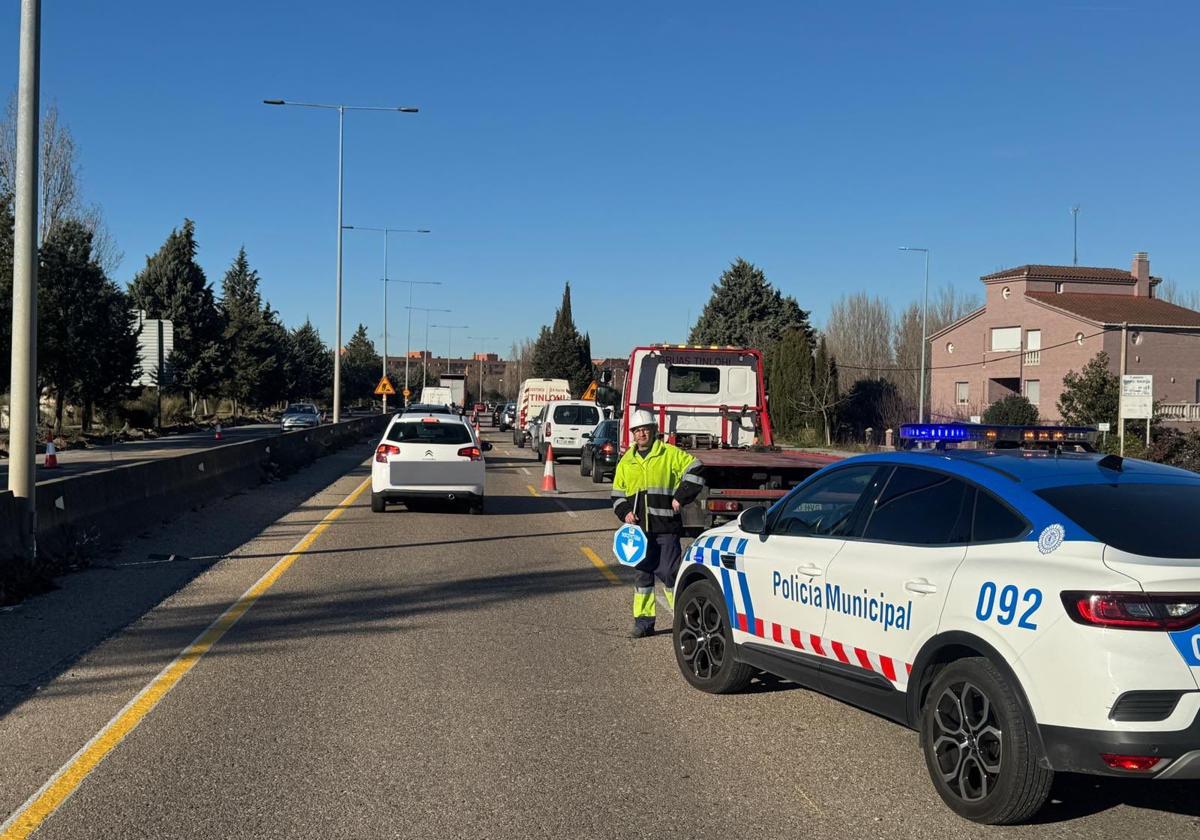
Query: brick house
point(1040, 321)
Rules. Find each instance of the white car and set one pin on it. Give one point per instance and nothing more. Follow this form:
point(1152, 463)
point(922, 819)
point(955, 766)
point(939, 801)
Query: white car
point(428, 456)
point(1027, 611)
point(563, 426)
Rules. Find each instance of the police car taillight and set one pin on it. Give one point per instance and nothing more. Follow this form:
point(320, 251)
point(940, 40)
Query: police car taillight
point(1134, 763)
point(1134, 610)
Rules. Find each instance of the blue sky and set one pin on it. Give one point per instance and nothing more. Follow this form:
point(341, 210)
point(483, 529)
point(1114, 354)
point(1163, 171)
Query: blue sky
point(633, 149)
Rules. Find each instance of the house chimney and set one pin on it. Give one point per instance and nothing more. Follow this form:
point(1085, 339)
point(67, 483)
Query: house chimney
point(1141, 274)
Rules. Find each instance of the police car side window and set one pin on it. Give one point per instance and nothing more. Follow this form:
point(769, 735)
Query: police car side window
point(921, 507)
point(825, 507)
point(994, 522)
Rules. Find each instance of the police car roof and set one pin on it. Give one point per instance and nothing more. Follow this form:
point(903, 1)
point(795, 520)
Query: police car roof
point(1034, 469)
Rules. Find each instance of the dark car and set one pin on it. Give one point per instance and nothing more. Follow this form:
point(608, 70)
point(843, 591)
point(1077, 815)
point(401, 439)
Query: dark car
point(505, 416)
point(601, 451)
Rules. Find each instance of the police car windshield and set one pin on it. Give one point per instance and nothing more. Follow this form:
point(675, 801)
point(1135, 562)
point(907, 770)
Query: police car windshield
point(1154, 520)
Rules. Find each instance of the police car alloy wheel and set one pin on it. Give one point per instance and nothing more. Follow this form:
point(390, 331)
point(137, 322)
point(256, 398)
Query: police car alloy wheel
point(703, 643)
point(979, 746)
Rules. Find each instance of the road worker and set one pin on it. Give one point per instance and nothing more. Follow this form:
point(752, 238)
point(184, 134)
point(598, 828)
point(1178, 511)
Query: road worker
point(654, 480)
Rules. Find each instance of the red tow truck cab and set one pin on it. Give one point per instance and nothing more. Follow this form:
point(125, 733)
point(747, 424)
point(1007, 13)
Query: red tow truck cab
point(712, 402)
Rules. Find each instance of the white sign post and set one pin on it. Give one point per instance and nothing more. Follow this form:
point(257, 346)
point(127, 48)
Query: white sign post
point(1137, 402)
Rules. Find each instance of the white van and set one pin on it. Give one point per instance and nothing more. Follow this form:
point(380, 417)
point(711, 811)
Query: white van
point(564, 426)
point(436, 395)
point(534, 394)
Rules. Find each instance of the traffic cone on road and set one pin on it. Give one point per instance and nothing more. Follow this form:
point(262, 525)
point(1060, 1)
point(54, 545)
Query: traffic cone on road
point(217, 435)
point(549, 485)
point(51, 460)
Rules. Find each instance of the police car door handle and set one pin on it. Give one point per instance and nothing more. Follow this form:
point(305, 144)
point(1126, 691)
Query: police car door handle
point(729, 561)
point(920, 585)
point(810, 569)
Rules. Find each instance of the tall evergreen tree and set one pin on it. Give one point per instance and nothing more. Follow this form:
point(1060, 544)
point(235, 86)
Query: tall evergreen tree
point(560, 352)
point(309, 366)
point(823, 399)
point(172, 286)
point(746, 310)
point(361, 366)
point(80, 335)
point(1092, 395)
point(789, 378)
point(253, 339)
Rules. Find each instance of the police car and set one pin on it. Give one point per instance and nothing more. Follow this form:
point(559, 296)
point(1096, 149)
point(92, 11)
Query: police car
point(1027, 608)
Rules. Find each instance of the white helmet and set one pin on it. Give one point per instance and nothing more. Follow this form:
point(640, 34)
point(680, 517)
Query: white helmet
point(640, 418)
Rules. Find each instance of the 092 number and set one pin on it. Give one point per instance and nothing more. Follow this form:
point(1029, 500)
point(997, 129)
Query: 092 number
point(1003, 604)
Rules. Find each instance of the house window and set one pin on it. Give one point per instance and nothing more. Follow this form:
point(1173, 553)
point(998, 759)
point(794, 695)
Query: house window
point(1033, 390)
point(1006, 338)
point(949, 346)
point(961, 393)
point(1058, 288)
point(1005, 292)
point(1079, 339)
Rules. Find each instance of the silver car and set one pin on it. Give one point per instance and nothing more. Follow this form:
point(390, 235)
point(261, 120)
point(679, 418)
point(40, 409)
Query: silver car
point(300, 416)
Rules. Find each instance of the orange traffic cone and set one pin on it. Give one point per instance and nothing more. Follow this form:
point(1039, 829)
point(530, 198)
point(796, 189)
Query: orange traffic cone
point(51, 460)
point(549, 485)
point(217, 436)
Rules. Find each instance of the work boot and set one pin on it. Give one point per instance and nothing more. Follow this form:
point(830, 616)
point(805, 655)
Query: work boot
point(641, 631)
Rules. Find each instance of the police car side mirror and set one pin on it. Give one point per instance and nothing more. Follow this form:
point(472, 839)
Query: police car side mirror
point(753, 520)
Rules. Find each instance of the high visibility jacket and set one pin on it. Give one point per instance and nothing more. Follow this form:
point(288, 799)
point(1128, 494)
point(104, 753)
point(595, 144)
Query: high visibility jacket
point(646, 486)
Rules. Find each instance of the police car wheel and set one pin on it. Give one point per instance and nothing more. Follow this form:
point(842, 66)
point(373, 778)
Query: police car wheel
point(704, 643)
point(980, 747)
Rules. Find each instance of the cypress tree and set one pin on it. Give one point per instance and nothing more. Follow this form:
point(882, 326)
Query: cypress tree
point(560, 352)
point(746, 310)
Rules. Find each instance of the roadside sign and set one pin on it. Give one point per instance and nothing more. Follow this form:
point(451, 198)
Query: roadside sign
point(384, 388)
point(407, 393)
point(629, 545)
point(1104, 427)
point(1137, 396)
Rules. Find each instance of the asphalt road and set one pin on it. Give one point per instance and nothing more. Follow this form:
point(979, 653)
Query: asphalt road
point(76, 461)
point(436, 674)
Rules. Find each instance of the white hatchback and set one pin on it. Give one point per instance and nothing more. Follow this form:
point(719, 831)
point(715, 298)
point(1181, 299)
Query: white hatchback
point(433, 456)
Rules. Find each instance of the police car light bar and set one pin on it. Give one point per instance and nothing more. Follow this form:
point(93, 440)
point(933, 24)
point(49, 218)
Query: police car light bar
point(942, 433)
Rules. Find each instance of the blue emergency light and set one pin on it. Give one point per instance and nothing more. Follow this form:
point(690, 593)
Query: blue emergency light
point(993, 435)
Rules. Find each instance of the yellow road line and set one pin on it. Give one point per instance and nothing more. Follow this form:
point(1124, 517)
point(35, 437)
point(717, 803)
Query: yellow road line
point(532, 492)
point(600, 564)
point(26, 819)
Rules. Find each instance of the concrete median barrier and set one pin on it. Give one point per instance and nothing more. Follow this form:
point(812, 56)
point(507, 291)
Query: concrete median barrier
point(74, 512)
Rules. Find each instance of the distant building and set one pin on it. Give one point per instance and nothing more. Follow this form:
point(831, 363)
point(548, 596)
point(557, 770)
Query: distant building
point(1039, 322)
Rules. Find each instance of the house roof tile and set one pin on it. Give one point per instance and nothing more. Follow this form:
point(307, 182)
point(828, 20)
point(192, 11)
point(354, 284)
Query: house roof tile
point(1062, 272)
point(1119, 309)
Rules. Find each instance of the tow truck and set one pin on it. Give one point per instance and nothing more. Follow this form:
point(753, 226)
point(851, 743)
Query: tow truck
point(712, 402)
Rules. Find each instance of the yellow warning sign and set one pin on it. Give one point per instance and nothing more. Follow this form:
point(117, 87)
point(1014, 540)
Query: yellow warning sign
point(384, 388)
point(407, 393)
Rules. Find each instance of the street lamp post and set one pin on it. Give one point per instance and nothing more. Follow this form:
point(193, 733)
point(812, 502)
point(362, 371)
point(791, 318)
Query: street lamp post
point(425, 351)
point(481, 339)
point(337, 346)
point(924, 331)
point(385, 231)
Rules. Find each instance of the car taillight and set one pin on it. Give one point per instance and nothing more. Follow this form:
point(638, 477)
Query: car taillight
point(384, 450)
point(1134, 610)
point(608, 449)
point(472, 452)
point(549, 430)
point(1136, 763)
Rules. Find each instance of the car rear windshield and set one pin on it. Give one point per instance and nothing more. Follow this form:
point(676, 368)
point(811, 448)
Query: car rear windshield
point(1154, 520)
point(606, 431)
point(419, 431)
point(301, 409)
point(576, 415)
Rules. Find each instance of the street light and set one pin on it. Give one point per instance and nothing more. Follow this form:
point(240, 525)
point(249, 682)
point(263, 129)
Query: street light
point(449, 328)
point(481, 339)
point(425, 352)
point(337, 346)
point(385, 231)
point(924, 325)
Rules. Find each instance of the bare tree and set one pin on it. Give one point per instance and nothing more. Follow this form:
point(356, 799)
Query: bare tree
point(947, 305)
point(1169, 291)
point(60, 199)
point(859, 333)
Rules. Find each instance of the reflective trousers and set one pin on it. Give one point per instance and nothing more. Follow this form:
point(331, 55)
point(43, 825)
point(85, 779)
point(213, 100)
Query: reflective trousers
point(663, 556)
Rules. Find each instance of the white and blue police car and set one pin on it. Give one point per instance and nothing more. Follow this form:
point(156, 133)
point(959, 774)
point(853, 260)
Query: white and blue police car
point(1027, 608)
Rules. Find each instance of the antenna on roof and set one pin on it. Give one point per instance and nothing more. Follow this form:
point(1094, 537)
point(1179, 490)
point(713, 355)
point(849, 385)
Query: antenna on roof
point(1075, 235)
point(1111, 462)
